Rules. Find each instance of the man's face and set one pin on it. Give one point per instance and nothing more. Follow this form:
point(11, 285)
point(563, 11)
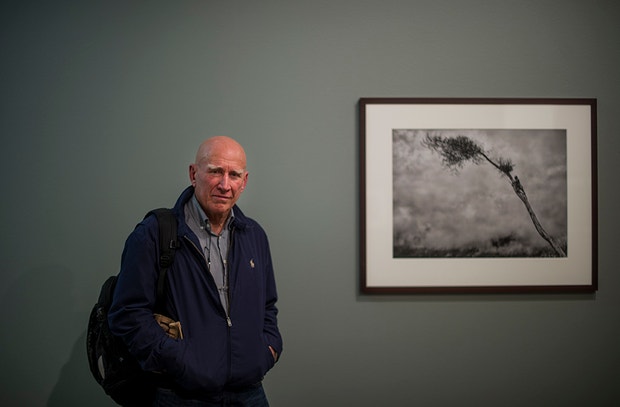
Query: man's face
point(219, 177)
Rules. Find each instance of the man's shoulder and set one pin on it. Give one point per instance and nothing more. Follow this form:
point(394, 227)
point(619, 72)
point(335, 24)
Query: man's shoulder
point(147, 227)
point(242, 221)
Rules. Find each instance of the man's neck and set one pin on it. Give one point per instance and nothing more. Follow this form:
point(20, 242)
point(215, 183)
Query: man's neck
point(217, 223)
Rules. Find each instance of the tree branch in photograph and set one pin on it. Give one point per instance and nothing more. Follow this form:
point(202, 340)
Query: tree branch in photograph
point(456, 151)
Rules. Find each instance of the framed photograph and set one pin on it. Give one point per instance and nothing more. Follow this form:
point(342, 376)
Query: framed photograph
point(477, 195)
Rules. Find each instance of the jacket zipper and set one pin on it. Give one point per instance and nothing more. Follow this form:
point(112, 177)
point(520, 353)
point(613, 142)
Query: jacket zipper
point(226, 311)
point(228, 264)
point(229, 297)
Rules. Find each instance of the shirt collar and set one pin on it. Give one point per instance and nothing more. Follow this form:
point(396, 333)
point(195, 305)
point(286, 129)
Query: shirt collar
point(204, 220)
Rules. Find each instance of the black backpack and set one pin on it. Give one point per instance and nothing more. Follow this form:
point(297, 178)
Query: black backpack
point(113, 367)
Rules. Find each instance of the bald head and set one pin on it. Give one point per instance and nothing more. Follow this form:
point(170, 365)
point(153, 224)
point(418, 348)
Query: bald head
point(218, 145)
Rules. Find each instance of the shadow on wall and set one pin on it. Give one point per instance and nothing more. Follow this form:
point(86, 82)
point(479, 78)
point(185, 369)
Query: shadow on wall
point(76, 385)
point(41, 329)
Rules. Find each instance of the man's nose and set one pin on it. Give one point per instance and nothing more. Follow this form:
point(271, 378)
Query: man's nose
point(224, 182)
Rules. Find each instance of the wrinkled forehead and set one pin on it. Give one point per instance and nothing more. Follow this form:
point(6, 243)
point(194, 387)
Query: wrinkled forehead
point(222, 154)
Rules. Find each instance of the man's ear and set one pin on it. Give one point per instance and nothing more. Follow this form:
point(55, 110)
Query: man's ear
point(245, 180)
point(192, 174)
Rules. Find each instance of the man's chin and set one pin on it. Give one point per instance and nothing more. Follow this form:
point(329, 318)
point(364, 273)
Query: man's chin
point(220, 208)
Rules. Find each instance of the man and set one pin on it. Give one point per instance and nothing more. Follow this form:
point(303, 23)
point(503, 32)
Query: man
point(221, 292)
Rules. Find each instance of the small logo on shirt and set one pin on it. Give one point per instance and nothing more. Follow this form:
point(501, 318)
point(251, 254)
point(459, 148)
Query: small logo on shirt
point(252, 263)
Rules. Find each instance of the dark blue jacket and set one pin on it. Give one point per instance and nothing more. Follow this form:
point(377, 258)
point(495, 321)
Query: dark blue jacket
point(215, 353)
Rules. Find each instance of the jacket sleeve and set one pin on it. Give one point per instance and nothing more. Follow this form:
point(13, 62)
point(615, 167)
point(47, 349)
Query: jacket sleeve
point(131, 313)
point(271, 330)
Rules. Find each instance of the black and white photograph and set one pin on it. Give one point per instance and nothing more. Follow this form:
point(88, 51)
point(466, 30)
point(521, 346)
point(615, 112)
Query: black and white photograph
point(479, 193)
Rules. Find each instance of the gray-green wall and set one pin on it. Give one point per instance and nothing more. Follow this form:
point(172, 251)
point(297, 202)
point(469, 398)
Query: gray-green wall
point(104, 104)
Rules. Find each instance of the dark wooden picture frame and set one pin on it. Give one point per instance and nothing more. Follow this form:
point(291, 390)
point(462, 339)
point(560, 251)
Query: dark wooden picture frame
point(477, 195)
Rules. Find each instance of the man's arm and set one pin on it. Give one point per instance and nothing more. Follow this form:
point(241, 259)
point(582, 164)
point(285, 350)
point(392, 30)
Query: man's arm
point(131, 314)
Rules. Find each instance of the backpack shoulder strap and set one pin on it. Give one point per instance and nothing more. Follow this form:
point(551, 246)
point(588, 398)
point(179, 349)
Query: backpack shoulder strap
point(168, 243)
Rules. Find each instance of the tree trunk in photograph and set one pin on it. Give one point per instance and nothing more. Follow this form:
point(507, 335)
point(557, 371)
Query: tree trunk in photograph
point(516, 185)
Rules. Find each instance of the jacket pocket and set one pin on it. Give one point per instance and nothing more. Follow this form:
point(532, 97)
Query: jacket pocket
point(269, 360)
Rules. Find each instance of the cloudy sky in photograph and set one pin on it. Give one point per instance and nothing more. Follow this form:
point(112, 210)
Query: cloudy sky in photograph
point(437, 208)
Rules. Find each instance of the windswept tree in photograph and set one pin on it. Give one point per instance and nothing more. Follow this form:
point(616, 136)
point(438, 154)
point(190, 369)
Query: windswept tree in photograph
point(456, 151)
